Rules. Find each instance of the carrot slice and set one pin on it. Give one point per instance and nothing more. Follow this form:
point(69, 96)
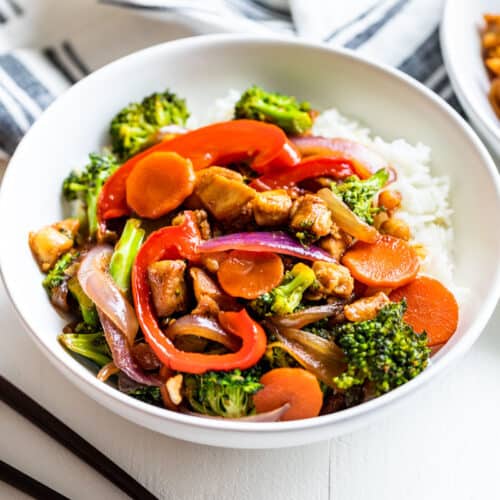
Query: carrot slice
point(431, 307)
point(159, 183)
point(389, 262)
point(250, 274)
point(295, 386)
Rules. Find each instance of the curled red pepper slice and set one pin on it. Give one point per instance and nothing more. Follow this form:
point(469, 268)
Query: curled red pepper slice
point(308, 168)
point(221, 143)
point(181, 242)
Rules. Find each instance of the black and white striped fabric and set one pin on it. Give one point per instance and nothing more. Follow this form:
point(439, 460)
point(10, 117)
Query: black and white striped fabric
point(47, 45)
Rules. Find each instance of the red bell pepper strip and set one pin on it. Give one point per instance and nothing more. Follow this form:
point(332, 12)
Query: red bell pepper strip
point(308, 168)
point(219, 144)
point(181, 242)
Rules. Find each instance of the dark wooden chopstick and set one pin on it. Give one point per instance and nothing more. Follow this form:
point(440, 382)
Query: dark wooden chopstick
point(27, 484)
point(30, 409)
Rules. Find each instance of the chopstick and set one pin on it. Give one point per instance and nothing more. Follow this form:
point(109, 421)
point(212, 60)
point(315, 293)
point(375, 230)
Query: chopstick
point(30, 409)
point(27, 484)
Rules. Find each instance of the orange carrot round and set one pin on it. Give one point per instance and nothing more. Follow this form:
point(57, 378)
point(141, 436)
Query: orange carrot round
point(431, 307)
point(159, 183)
point(250, 274)
point(389, 262)
point(295, 386)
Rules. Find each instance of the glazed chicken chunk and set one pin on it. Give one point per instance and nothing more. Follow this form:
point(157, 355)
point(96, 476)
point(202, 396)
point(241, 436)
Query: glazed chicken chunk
point(168, 287)
point(310, 215)
point(333, 279)
point(366, 308)
point(209, 297)
point(50, 242)
point(272, 208)
point(222, 192)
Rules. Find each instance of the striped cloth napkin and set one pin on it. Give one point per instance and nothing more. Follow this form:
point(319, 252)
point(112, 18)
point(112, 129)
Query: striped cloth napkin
point(47, 45)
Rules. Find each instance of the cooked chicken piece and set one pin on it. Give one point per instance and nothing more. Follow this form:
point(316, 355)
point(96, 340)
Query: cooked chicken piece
point(337, 242)
point(50, 242)
point(208, 295)
point(310, 215)
point(168, 287)
point(201, 220)
point(244, 222)
point(222, 192)
point(333, 279)
point(272, 208)
point(366, 308)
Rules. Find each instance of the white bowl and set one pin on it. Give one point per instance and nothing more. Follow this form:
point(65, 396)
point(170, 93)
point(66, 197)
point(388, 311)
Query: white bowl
point(461, 46)
point(202, 69)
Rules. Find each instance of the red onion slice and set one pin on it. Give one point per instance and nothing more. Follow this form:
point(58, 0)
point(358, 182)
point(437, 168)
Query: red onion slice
point(107, 371)
point(103, 291)
point(207, 328)
point(122, 353)
point(309, 315)
point(318, 356)
point(265, 242)
point(268, 416)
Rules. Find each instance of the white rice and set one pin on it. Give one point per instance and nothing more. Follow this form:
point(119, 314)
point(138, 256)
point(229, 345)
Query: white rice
point(425, 205)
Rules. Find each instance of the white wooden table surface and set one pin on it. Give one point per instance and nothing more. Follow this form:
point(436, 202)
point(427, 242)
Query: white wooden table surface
point(441, 444)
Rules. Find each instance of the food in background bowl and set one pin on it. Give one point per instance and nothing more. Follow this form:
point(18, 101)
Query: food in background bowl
point(273, 266)
point(490, 43)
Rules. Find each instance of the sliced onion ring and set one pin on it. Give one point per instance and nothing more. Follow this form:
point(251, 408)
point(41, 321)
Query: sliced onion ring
point(201, 326)
point(103, 291)
point(265, 242)
point(318, 356)
point(107, 371)
point(309, 315)
point(122, 353)
point(268, 416)
point(346, 219)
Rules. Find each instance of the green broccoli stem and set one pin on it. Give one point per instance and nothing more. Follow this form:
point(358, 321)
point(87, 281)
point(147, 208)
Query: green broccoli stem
point(85, 304)
point(122, 260)
point(90, 345)
point(92, 196)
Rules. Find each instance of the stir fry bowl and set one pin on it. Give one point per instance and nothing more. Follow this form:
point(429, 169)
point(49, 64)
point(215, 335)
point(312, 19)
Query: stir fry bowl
point(203, 69)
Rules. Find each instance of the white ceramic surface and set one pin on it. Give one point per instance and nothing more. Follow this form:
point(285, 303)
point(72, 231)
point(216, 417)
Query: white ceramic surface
point(202, 69)
point(461, 46)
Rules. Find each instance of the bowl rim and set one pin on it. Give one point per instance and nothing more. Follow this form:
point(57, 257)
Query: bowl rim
point(97, 390)
point(486, 125)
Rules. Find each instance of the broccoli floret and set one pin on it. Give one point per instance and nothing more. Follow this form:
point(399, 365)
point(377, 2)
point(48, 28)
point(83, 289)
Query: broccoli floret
point(122, 260)
point(90, 345)
point(285, 298)
point(134, 128)
point(148, 394)
point(85, 305)
point(358, 195)
point(281, 110)
point(385, 351)
point(224, 394)
point(59, 273)
point(86, 185)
